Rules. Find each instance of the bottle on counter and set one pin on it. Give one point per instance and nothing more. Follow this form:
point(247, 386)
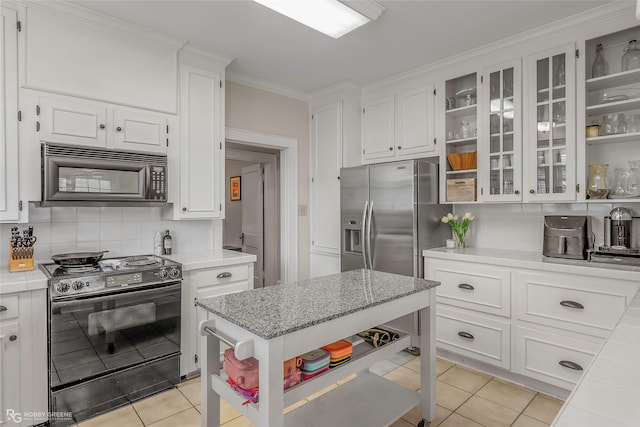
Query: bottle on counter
point(599, 67)
point(158, 247)
point(167, 243)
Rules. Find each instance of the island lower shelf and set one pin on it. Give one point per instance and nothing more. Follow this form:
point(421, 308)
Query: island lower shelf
point(362, 357)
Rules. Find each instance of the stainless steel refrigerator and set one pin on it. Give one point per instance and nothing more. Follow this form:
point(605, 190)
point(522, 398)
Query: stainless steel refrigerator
point(389, 214)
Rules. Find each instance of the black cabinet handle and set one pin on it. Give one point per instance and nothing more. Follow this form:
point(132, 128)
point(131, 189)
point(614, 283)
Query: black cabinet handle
point(102, 126)
point(184, 209)
point(532, 191)
point(569, 364)
point(390, 148)
point(464, 334)
point(516, 192)
point(572, 304)
point(13, 337)
point(118, 128)
point(399, 147)
point(224, 275)
point(3, 308)
point(466, 286)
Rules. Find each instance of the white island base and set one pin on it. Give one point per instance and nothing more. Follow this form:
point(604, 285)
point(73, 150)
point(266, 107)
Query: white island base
point(366, 400)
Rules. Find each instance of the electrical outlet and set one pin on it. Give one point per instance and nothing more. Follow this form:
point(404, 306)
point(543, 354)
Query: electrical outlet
point(302, 210)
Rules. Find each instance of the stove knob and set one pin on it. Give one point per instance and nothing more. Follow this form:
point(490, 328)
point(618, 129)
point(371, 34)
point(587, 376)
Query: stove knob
point(174, 272)
point(63, 287)
point(163, 274)
point(77, 285)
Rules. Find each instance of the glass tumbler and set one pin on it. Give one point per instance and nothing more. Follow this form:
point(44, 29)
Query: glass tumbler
point(597, 188)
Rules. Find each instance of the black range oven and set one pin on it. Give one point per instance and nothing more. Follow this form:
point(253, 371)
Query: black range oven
point(114, 334)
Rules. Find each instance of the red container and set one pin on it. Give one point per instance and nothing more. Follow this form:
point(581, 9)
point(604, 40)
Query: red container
point(339, 349)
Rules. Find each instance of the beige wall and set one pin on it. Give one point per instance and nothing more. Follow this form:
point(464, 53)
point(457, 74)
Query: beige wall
point(257, 110)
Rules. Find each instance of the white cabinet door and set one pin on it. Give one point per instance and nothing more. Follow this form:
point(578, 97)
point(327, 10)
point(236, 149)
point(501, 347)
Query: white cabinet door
point(378, 129)
point(9, 194)
point(326, 146)
point(415, 117)
point(551, 153)
point(135, 130)
point(201, 167)
point(73, 122)
point(10, 378)
point(501, 162)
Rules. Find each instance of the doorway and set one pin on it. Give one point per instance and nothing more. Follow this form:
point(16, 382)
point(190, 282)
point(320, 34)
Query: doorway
point(252, 212)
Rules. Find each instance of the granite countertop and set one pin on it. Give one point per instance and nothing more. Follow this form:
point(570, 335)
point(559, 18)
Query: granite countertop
point(535, 260)
point(609, 391)
point(278, 310)
point(210, 259)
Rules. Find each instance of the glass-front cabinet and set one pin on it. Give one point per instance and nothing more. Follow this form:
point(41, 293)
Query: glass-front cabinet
point(461, 136)
point(551, 153)
point(501, 160)
point(612, 111)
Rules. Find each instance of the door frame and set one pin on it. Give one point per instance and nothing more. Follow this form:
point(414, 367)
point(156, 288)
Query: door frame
point(288, 150)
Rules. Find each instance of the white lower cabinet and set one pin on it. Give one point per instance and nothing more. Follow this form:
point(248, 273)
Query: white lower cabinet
point(555, 359)
point(23, 358)
point(542, 324)
point(206, 283)
point(474, 335)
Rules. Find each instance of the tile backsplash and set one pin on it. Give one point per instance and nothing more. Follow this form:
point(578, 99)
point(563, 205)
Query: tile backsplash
point(121, 231)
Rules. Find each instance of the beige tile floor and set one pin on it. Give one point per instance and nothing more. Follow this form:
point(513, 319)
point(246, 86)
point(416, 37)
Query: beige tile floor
point(464, 398)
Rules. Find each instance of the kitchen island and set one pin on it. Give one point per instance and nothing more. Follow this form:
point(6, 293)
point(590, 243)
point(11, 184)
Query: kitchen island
point(281, 322)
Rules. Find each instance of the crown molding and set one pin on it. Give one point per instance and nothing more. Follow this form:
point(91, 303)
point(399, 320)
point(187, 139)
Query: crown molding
point(369, 8)
point(337, 87)
point(201, 51)
point(267, 86)
point(588, 18)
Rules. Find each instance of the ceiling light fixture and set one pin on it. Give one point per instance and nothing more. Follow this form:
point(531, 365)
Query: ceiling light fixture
point(330, 17)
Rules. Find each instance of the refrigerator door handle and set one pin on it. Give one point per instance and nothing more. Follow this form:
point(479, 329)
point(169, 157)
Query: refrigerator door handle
point(369, 235)
point(364, 233)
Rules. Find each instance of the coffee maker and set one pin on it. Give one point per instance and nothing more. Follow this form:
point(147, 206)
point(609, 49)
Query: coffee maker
point(618, 239)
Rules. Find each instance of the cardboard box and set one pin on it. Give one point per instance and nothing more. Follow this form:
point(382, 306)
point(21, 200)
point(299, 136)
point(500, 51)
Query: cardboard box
point(461, 190)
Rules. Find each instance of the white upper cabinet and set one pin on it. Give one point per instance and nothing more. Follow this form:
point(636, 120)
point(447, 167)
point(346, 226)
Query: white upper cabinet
point(73, 52)
point(9, 195)
point(378, 129)
point(143, 130)
point(326, 155)
point(73, 122)
point(83, 122)
point(551, 150)
point(415, 118)
point(201, 159)
point(501, 161)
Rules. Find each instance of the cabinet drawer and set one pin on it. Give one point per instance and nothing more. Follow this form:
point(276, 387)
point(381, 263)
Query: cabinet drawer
point(475, 336)
point(473, 286)
point(8, 307)
point(217, 276)
point(579, 303)
point(216, 290)
point(555, 359)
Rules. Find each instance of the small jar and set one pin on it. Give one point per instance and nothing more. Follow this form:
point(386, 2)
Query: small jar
point(592, 131)
point(631, 56)
point(634, 123)
point(613, 124)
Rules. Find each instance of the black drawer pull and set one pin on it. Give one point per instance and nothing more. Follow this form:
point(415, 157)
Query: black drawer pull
point(3, 308)
point(224, 275)
point(466, 286)
point(572, 304)
point(464, 334)
point(570, 365)
point(13, 337)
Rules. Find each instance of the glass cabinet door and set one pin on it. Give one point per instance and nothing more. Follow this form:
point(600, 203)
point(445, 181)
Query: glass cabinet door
point(502, 132)
point(551, 154)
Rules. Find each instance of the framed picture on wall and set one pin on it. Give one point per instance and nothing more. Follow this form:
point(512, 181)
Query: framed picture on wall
point(234, 188)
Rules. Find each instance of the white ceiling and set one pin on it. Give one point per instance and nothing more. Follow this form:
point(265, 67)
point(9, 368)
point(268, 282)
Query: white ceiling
point(279, 52)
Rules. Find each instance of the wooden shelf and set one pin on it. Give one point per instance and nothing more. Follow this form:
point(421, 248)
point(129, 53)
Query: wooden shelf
point(462, 172)
point(621, 137)
point(613, 107)
point(614, 80)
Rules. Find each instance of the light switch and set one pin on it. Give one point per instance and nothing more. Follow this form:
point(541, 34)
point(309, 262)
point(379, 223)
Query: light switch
point(302, 210)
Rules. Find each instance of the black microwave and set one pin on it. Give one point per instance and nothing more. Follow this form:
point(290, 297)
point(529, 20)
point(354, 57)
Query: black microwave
point(86, 176)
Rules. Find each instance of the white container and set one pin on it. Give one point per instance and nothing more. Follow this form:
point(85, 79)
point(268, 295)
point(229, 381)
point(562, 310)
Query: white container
point(157, 244)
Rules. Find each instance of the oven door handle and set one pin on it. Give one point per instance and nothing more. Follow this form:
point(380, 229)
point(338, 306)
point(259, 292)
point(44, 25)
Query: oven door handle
point(116, 297)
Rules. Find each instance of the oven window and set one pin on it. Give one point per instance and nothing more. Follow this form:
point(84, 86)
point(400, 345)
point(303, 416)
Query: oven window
point(86, 180)
point(89, 338)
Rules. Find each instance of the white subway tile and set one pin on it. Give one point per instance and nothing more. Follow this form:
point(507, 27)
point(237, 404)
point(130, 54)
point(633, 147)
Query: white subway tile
point(88, 231)
point(151, 214)
point(63, 248)
point(110, 214)
point(89, 246)
point(42, 253)
point(63, 214)
point(132, 214)
point(149, 229)
point(37, 214)
point(113, 246)
point(88, 214)
point(42, 231)
point(132, 247)
point(132, 230)
point(110, 231)
point(63, 233)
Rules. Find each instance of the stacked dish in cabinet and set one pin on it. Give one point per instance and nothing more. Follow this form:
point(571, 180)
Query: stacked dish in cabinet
point(461, 134)
point(612, 110)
